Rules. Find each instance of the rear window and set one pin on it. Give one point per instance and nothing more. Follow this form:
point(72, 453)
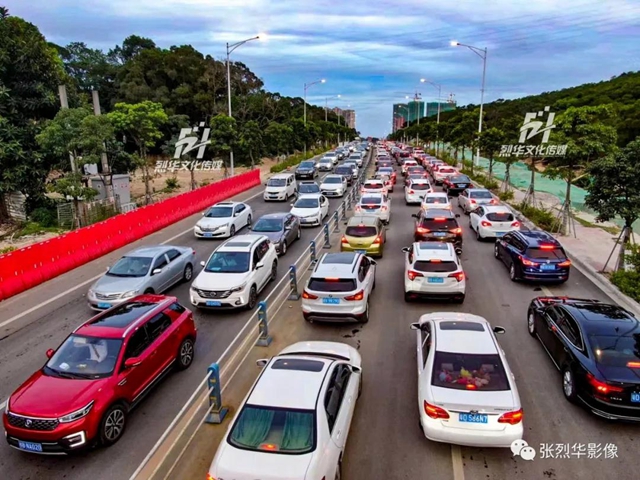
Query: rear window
point(371, 200)
point(615, 350)
point(480, 195)
point(332, 284)
point(500, 217)
point(446, 170)
point(546, 254)
point(420, 186)
point(460, 179)
point(435, 267)
point(374, 185)
point(437, 200)
point(361, 231)
point(464, 371)
point(443, 224)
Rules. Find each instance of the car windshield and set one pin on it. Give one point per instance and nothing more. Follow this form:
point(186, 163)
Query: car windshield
point(371, 200)
point(436, 200)
point(343, 170)
point(361, 231)
point(616, 350)
point(219, 212)
point(465, 371)
point(333, 180)
point(228, 262)
point(268, 225)
point(386, 171)
point(500, 217)
point(82, 357)
point(546, 253)
point(481, 194)
point(274, 430)
point(131, 267)
point(277, 182)
point(307, 164)
point(306, 203)
point(308, 188)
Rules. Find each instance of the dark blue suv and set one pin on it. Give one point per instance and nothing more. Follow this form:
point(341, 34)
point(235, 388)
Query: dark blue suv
point(533, 255)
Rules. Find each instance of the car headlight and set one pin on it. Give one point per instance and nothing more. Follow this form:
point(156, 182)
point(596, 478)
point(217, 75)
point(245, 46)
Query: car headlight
point(77, 415)
point(130, 293)
point(6, 407)
point(222, 226)
point(238, 289)
point(91, 293)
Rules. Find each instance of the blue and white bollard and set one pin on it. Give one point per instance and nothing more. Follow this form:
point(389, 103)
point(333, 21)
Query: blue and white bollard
point(216, 411)
point(343, 206)
point(264, 340)
point(293, 283)
point(327, 243)
point(314, 256)
point(336, 218)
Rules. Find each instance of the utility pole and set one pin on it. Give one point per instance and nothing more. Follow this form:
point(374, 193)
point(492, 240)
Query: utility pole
point(106, 171)
point(64, 103)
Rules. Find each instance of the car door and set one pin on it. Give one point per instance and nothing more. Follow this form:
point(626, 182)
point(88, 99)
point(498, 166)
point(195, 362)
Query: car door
point(259, 256)
point(463, 199)
point(132, 381)
point(161, 332)
point(424, 340)
point(339, 406)
point(324, 206)
point(503, 244)
point(567, 335)
point(547, 321)
point(176, 266)
point(238, 216)
point(162, 280)
point(475, 216)
point(290, 229)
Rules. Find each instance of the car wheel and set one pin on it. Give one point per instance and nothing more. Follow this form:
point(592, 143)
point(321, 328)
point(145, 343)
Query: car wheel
point(274, 272)
point(249, 220)
point(531, 323)
point(185, 354)
point(187, 275)
point(513, 275)
point(283, 248)
point(365, 315)
point(339, 470)
point(568, 384)
point(232, 231)
point(112, 425)
point(407, 297)
point(478, 236)
point(496, 252)
point(253, 298)
point(299, 235)
point(149, 291)
point(459, 300)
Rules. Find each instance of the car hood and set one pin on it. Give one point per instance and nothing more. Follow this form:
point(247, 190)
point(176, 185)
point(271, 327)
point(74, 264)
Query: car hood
point(219, 281)
point(305, 212)
point(231, 463)
point(275, 189)
point(62, 395)
point(213, 222)
point(112, 284)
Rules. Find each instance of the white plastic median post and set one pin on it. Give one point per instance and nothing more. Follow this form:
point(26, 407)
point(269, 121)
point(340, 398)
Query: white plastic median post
point(336, 218)
point(293, 283)
point(216, 411)
point(264, 340)
point(327, 242)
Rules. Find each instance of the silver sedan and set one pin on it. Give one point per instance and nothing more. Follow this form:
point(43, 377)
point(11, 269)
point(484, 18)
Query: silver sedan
point(145, 270)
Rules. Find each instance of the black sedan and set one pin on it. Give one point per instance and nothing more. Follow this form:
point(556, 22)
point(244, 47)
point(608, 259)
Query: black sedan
point(596, 346)
point(307, 169)
point(455, 184)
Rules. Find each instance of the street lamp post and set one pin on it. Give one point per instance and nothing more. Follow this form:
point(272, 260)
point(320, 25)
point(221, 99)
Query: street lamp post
point(306, 87)
point(439, 87)
point(326, 105)
point(482, 53)
point(230, 49)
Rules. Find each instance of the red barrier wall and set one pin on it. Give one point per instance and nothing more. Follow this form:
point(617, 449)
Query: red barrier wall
point(25, 268)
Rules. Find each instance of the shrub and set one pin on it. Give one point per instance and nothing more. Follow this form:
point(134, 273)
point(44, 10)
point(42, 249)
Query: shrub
point(7, 249)
point(46, 217)
point(293, 160)
point(505, 196)
point(172, 184)
point(204, 183)
point(628, 282)
point(542, 217)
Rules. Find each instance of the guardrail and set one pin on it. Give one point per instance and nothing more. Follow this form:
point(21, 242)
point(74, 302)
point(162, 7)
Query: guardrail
point(255, 332)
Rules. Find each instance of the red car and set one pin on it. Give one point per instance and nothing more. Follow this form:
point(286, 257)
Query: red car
point(84, 393)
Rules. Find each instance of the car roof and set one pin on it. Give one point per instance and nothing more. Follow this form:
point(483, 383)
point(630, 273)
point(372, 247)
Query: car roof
point(339, 265)
point(282, 175)
point(332, 175)
point(419, 180)
point(602, 318)
point(367, 220)
point(438, 194)
point(462, 333)
point(149, 251)
point(434, 250)
point(471, 190)
point(307, 182)
point(242, 243)
point(289, 387)
point(534, 238)
point(309, 195)
point(228, 203)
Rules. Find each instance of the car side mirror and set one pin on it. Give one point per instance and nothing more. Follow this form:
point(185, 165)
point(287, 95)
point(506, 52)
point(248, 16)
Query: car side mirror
point(415, 215)
point(50, 352)
point(132, 362)
point(499, 330)
point(415, 326)
point(291, 204)
point(457, 215)
point(108, 268)
point(405, 249)
point(236, 214)
point(156, 271)
point(355, 369)
point(202, 264)
point(259, 265)
point(262, 362)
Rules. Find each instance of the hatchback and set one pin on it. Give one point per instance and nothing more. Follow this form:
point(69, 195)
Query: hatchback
point(366, 235)
point(471, 198)
point(436, 200)
point(416, 190)
point(533, 255)
point(492, 221)
point(375, 204)
point(439, 226)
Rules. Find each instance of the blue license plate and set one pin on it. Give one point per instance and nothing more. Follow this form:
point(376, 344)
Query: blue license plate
point(435, 280)
point(473, 418)
point(440, 234)
point(635, 397)
point(213, 303)
point(30, 446)
point(547, 266)
point(361, 251)
point(499, 234)
point(331, 301)
point(208, 235)
point(104, 305)
point(462, 185)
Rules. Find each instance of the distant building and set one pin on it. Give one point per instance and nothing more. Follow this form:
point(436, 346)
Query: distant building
point(415, 111)
point(349, 118)
point(400, 115)
point(398, 123)
point(432, 108)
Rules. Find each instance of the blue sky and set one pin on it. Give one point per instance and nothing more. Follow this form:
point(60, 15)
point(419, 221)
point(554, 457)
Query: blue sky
point(374, 53)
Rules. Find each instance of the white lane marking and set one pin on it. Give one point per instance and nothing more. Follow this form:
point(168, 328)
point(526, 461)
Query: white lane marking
point(92, 279)
point(458, 466)
point(546, 291)
point(2, 405)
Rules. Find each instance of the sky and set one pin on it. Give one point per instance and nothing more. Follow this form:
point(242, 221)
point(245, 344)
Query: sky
point(373, 53)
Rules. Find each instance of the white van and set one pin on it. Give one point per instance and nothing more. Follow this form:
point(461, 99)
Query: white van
point(280, 187)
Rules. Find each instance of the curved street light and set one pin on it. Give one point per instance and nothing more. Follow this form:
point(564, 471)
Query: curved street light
point(439, 87)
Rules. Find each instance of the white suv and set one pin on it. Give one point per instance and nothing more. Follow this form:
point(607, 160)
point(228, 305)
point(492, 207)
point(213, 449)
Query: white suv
point(223, 219)
point(281, 187)
point(432, 270)
point(236, 272)
point(339, 288)
point(333, 156)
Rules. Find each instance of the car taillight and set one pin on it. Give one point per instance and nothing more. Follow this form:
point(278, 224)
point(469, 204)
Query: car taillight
point(358, 208)
point(411, 191)
point(434, 411)
point(457, 231)
point(422, 230)
point(459, 276)
point(484, 223)
point(193, 252)
point(493, 202)
point(357, 296)
point(527, 263)
point(512, 418)
point(378, 240)
point(309, 296)
point(602, 387)
point(384, 207)
point(473, 201)
point(344, 240)
point(211, 477)
point(516, 224)
point(412, 274)
point(566, 263)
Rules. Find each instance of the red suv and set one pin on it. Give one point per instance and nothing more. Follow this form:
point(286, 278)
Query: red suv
point(82, 396)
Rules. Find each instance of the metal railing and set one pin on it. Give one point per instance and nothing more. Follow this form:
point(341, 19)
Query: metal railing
point(255, 332)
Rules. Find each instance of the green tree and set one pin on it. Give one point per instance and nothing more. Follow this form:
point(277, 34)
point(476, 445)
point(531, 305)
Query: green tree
point(491, 141)
point(278, 138)
point(615, 190)
point(142, 122)
point(224, 137)
point(251, 141)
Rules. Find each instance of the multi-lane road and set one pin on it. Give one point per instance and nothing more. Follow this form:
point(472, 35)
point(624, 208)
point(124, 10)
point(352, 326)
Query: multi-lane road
point(42, 317)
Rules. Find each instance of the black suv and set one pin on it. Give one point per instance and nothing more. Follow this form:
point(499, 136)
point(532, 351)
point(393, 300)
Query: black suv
point(435, 225)
point(307, 169)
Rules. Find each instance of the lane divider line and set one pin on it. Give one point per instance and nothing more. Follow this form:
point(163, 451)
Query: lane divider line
point(458, 466)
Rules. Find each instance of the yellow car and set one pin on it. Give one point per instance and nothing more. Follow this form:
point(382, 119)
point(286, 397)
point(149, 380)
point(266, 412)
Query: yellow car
point(364, 234)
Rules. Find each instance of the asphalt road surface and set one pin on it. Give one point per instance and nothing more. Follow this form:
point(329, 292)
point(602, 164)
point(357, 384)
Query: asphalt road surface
point(24, 341)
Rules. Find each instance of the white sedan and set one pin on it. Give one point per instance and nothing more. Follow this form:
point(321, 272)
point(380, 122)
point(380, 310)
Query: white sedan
point(437, 200)
point(295, 421)
point(223, 219)
point(375, 204)
point(334, 186)
point(467, 394)
point(492, 221)
point(416, 190)
point(310, 209)
point(373, 186)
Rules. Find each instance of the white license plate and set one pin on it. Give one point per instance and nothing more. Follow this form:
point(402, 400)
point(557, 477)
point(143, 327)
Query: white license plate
point(208, 235)
point(104, 305)
point(331, 301)
point(30, 446)
point(435, 280)
point(213, 303)
point(473, 418)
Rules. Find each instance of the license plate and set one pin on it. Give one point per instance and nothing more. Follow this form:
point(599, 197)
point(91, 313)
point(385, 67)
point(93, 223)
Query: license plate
point(435, 280)
point(462, 185)
point(499, 234)
point(30, 446)
point(473, 418)
point(208, 235)
point(440, 234)
point(361, 251)
point(635, 397)
point(104, 305)
point(306, 220)
point(331, 301)
point(213, 303)
point(547, 266)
